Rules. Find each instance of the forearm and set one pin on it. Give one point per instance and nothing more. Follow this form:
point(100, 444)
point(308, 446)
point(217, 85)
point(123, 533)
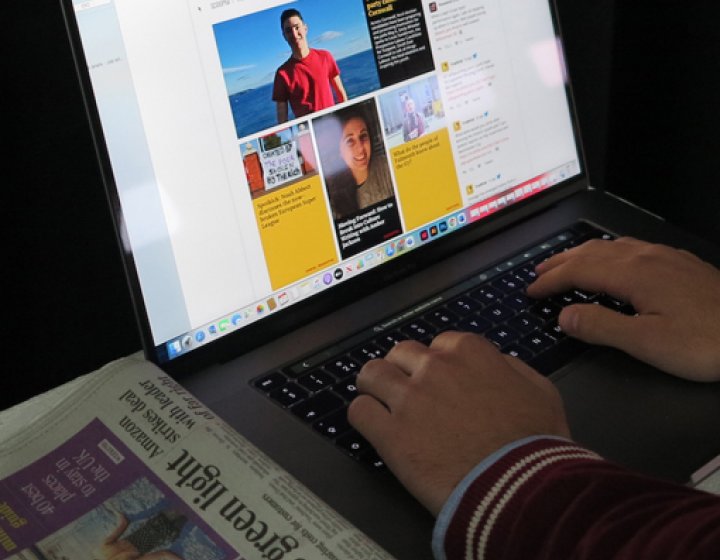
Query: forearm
point(281, 110)
point(339, 88)
point(550, 499)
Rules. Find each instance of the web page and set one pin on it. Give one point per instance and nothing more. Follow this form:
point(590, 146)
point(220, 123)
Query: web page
point(431, 115)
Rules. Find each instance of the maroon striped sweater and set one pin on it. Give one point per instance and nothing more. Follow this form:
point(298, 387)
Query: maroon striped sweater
point(551, 499)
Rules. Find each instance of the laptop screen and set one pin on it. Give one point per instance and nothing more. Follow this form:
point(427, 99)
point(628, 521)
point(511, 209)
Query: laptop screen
point(266, 151)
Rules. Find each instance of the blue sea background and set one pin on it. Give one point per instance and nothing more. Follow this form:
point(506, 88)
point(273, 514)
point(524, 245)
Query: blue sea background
point(254, 110)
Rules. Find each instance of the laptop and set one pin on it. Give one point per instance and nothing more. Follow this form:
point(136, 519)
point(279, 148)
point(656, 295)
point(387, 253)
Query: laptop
point(275, 237)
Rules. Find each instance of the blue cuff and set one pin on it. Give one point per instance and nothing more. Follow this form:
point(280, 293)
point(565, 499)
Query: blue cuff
point(448, 511)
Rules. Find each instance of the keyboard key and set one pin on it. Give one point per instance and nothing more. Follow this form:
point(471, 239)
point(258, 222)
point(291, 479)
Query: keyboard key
point(289, 394)
point(537, 342)
point(563, 300)
point(346, 389)
point(557, 356)
point(418, 330)
point(342, 366)
point(584, 296)
point(270, 382)
point(441, 318)
point(474, 324)
point(616, 305)
point(373, 460)
point(554, 330)
point(317, 406)
point(519, 352)
point(546, 310)
point(463, 305)
point(524, 322)
point(389, 340)
point(508, 283)
point(353, 443)
point(367, 352)
point(333, 425)
point(497, 313)
point(316, 380)
point(487, 295)
point(517, 301)
point(502, 335)
point(526, 273)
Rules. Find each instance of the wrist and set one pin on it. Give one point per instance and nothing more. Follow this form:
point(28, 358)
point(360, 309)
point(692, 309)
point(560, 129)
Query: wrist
point(493, 477)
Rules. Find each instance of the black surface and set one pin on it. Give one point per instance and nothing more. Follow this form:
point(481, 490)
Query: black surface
point(69, 308)
point(588, 29)
point(664, 146)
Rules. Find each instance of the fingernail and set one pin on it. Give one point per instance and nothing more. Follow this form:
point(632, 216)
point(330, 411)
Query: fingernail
point(541, 266)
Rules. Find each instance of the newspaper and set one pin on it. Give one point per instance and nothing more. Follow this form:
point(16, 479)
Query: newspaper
point(128, 465)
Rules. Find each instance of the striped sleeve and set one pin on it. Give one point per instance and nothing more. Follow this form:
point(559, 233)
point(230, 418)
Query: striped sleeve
point(548, 498)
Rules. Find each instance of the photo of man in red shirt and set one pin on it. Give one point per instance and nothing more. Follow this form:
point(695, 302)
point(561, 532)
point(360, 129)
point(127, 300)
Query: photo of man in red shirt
point(310, 79)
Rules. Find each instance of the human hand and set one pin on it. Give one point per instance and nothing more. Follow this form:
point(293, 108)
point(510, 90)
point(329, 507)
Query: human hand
point(676, 296)
point(434, 413)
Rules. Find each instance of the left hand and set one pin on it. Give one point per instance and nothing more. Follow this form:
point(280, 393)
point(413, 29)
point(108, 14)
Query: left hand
point(676, 296)
point(433, 413)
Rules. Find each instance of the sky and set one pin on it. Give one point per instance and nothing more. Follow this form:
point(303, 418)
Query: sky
point(252, 47)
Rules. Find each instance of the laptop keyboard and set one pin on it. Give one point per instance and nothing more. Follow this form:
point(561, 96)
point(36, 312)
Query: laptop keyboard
point(319, 388)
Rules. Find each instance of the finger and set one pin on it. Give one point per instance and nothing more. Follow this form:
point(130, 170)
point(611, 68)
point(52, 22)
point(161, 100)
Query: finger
point(466, 351)
point(369, 417)
point(382, 380)
point(407, 347)
point(594, 324)
point(628, 240)
point(448, 341)
point(409, 356)
point(601, 249)
point(598, 247)
point(586, 273)
point(649, 338)
point(472, 346)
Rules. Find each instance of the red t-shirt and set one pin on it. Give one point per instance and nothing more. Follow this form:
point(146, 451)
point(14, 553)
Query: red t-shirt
point(305, 83)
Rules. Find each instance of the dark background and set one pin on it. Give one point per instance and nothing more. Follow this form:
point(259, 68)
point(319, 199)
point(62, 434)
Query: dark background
point(646, 86)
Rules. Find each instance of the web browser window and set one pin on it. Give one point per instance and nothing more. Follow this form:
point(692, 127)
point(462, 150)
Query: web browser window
point(261, 159)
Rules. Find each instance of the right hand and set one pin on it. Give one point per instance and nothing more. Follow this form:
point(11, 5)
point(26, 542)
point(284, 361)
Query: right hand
point(434, 412)
point(676, 296)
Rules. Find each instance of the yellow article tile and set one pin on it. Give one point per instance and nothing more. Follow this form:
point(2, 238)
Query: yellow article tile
point(296, 231)
point(426, 181)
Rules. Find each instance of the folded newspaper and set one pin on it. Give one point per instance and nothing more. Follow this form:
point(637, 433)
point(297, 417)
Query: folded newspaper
point(124, 463)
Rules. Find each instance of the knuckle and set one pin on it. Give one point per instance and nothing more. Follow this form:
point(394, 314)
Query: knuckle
point(592, 244)
point(370, 371)
point(425, 362)
point(403, 346)
point(455, 340)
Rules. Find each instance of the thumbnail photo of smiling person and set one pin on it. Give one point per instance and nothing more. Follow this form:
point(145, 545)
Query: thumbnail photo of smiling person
point(280, 63)
point(357, 177)
point(310, 79)
point(354, 160)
